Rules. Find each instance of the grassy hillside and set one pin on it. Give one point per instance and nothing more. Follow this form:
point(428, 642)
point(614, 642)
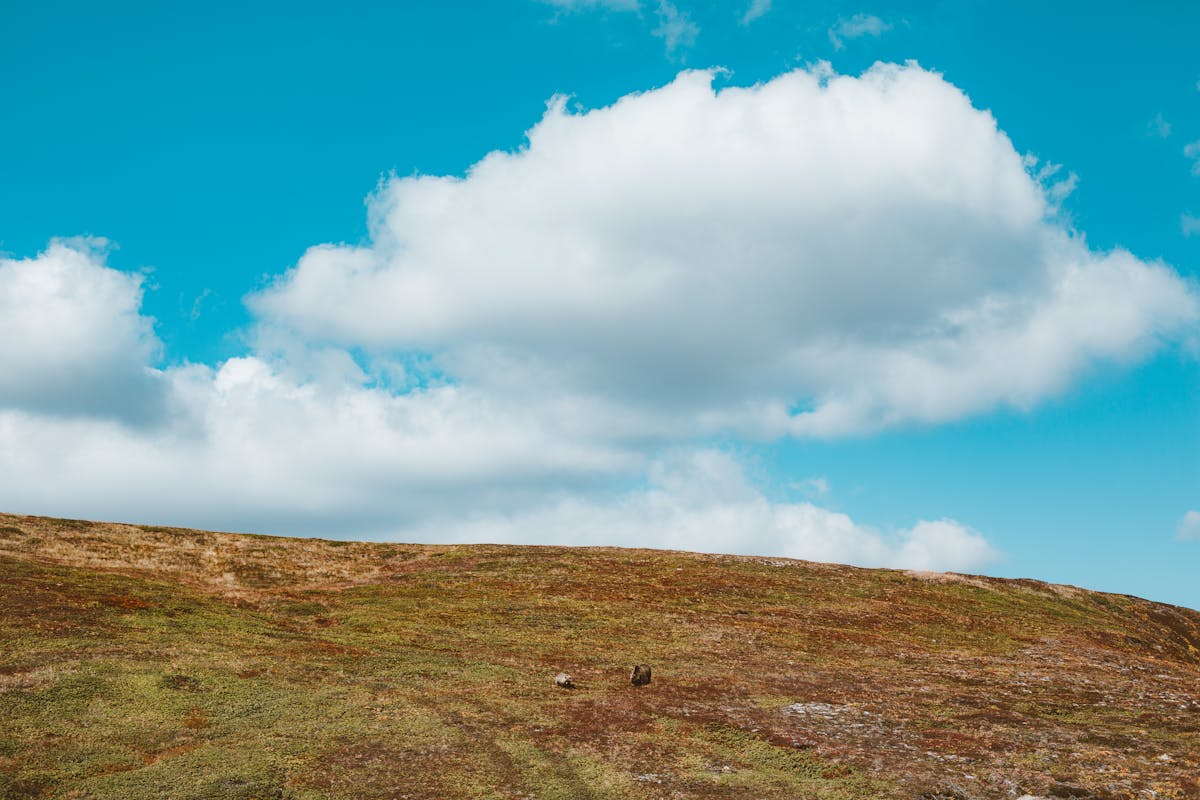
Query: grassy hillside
point(141, 662)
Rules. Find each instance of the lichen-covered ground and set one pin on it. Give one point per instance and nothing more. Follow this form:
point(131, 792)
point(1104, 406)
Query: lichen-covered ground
point(157, 663)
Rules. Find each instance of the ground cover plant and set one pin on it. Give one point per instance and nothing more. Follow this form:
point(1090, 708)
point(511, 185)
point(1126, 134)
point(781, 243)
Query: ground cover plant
point(145, 662)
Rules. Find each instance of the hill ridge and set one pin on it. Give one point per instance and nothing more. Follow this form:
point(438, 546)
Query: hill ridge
point(144, 661)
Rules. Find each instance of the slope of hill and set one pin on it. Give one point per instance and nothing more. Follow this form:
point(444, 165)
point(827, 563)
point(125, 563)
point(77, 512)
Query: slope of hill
point(140, 662)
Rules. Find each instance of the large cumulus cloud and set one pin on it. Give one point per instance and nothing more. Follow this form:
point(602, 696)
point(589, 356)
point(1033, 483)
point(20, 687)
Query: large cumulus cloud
point(546, 348)
point(818, 254)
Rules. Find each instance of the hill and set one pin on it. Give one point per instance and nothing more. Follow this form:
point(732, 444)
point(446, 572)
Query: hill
point(146, 662)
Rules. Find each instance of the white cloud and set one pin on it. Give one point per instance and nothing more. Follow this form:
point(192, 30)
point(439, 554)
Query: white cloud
point(74, 339)
point(814, 256)
point(813, 487)
point(250, 446)
point(756, 9)
point(1061, 190)
point(579, 5)
point(819, 255)
point(196, 310)
point(250, 449)
point(856, 27)
point(1189, 527)
point(1189, 225)
point(1159, 127)
point(675, 27)
point(1114, 307)
point(701, 501)
point(1049, 176)
point(1192, 151)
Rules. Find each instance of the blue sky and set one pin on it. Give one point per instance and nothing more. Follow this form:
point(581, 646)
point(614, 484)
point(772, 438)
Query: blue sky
point(451, 374)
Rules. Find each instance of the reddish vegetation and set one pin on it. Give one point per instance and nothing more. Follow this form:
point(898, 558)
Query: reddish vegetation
point(866, 682)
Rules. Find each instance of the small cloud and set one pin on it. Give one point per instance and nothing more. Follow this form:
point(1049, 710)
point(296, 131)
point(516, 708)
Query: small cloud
point(855, 28)
point(1192, 151)
point(813, 487)
point(1158, 127)
point(194, 314)
point(581, 5)
point(757, 9)
point(1057, 187)
point(1189, 527)
point(1189, 225)
point(675, 27)
point(1062, 189)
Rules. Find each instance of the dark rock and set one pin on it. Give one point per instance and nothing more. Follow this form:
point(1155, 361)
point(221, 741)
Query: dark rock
point(640, 675)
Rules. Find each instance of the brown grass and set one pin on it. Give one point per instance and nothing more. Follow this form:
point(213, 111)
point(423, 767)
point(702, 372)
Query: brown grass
point(151, 662)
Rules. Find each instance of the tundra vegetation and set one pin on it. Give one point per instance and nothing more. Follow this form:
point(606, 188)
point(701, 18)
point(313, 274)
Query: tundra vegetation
point(143, 662)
